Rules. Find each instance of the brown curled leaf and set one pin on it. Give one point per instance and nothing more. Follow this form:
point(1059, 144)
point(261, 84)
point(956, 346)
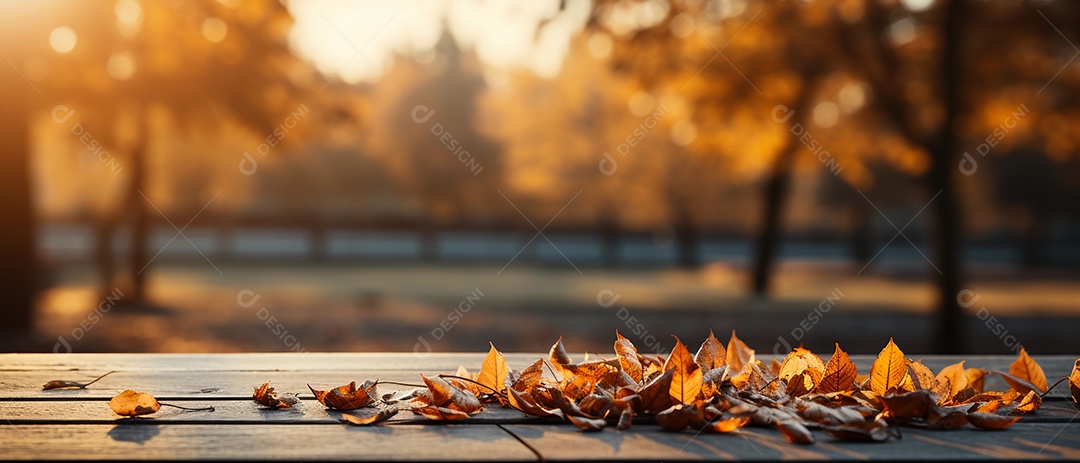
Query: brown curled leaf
point(587, 424)
point(795, 432)
point(378, 417)
point(266, 397)
point(62, 384)
point(991, 420)
point(347, 397)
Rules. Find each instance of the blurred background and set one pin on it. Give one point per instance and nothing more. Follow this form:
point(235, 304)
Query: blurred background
point(428, 176)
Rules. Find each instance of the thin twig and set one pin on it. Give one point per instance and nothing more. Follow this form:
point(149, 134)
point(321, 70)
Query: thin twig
point(98, 379)
point(204, 409)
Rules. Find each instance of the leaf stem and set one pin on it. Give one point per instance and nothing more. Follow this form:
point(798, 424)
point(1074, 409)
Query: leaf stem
point(485, 386)
point(1053, 386)
point(203, 409)
point(98, 379)
point(401, 384)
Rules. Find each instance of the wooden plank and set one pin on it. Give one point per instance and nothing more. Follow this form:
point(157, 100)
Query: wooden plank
point(1020, 442)
point(241, 442)
point(230, 411)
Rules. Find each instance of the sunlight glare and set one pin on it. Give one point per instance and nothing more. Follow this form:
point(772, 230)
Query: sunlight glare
point(62, 39)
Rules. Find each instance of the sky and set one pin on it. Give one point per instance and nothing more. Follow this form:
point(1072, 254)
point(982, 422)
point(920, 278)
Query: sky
point(356, 40)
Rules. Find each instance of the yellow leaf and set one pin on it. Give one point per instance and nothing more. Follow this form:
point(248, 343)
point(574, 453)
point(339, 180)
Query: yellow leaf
point(686, 383)
point(802, 370)
point(956, 375)
point(131, 403)
point(1028, 370)
point(739, 355)
point(839, 375)
point(493, 371)
point(889, 370)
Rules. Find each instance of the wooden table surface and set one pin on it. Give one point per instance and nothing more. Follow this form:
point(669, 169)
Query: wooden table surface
point(78, 424)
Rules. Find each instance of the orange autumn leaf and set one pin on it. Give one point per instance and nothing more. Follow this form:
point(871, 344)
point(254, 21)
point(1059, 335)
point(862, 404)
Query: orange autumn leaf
point(739, 355)
point(347, 397)
point(686, 381)
point(991, 420)
point(711, 354)
point(889, 370)
point(1074, 382)
point(730, 424)
point(446, 395)
point(595, 371)
point(628, 356)
point(494, 370)
point(131, 403)
point(801, 370)
point(839, 375)
point(266, 397)
point(1028, 370)
point(956, 377)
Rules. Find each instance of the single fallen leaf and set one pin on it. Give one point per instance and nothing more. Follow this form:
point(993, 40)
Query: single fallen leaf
point(587, 424)
point(1074, 382)
point(976, 378)
point(378, 417)
point(739, 355)
point(957, 378)
point(494, 370)
point(711, 354)
point(1020, 385)
point(347, 397)
point(839, 375)
point(655, 395)
point(944, 418)
point(824, 415)
point(795, 432)
point(62, 384)
point(729, 425)
point(686, 382)
point(921, 376)
point(679, 416)
point(446, 395)
point(266, 397)
point(1030, 403)
point(1028, 370)
point(597, 372)
point(525, 402)
point(131, 403)
point(628, 356)
point(889, 370)
point(991, 420)
point(802, 370)
point(869, 431)
point(909, 406)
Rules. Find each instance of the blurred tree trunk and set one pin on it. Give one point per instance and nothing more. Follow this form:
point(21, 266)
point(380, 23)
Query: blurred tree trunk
point(688, 239)
point(609, 237)
point(139, 264)
point(104, 252)
point(18, 264)
point(776, 193)
point(941, 177)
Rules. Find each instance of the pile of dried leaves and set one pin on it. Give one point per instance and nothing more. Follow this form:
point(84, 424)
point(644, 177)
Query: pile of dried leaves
point(718, 389)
